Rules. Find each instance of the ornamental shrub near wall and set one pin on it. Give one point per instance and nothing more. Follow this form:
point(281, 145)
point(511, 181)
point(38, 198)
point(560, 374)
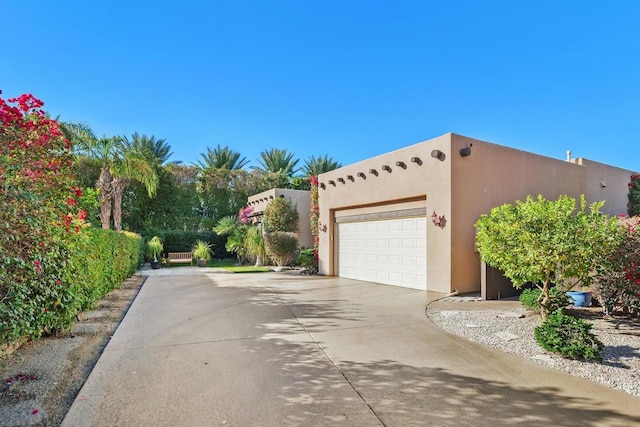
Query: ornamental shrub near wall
point(281, 246)
point(616, 281)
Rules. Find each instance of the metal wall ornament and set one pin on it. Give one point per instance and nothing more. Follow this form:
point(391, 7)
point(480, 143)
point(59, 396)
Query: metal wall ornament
point(438, 220)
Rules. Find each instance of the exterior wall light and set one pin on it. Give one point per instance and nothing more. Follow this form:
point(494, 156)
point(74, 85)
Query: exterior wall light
point(341, 180)
point(386, 168)
point(350, 178)
point(362, 175)
point(416, 160)
point(437, 154)
point(466, 151)
point(373, 172)
point(403, 165)
point(603, 184)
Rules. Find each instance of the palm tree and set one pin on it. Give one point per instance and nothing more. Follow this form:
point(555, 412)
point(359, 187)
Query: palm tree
point(278, 161)
point(120, 163)
point(79, 134)
point(159, 148)
point(221, 158)
point(314, 166)
point(131, 163)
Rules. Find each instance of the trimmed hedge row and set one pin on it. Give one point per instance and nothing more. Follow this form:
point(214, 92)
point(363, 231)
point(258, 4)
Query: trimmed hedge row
point(183, 241)
point(71, 278)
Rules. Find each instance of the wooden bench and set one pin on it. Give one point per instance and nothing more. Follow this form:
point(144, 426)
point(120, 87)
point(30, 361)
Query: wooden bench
point(180, 257)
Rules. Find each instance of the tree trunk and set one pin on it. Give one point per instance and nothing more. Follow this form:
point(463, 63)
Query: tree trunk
point(104, 193)
point(119, 185)
point(544, 303)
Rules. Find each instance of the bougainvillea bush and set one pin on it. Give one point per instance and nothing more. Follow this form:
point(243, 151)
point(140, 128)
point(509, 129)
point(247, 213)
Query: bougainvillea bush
point(38, 210)
point(633, 206)
point(617, 276)
point(51, 264)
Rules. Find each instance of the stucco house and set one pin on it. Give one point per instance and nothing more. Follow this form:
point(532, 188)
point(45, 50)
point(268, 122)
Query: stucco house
point(298, 198)
point(407, 217)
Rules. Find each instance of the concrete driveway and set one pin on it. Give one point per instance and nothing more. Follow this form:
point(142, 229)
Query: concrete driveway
point(279, 349)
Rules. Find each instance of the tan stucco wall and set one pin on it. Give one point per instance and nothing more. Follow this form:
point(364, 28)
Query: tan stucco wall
point(607, 183)
point(299, 198)
point(407, 188)
point(491, 176)
point(460, 189)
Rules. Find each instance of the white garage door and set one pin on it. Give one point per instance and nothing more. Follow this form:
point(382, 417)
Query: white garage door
point(389, 251)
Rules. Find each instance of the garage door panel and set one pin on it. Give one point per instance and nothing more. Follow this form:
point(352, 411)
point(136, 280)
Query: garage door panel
point(386, 251)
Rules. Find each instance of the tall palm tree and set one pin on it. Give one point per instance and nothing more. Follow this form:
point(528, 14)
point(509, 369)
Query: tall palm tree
point(221, 158)
point(314, 166)
point(120, 163)
point(159, 148)
point(79, 134)
point(279, 161)
point(131, 163)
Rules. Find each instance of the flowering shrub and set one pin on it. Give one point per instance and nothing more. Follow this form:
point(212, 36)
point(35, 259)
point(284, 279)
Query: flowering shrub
point(314, 216)
point(617, 276)
point(38, 214)
point(633, 206)
point(243, 214)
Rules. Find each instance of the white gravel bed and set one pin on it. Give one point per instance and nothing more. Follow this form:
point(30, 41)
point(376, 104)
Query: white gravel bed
point(512, 331)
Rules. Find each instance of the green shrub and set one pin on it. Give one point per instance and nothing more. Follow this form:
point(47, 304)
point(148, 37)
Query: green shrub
point(530, 298)
point(154, 249)
point(308, 260)
point(280, 215)
point(569, 336)
point(281, 246)
point(201, 250)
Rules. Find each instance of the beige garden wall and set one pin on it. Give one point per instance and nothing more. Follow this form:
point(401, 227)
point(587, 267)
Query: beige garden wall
point(299, 198)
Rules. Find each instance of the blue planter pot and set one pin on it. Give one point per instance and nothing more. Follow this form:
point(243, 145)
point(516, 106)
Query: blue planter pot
point(580, 299)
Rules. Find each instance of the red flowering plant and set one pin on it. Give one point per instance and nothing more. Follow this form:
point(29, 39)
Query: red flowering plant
point(617, 276)
point(633, 205)
point(244, 213)
point(38, 213)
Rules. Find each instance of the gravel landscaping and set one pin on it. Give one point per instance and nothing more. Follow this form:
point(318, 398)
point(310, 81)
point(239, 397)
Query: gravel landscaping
point(39, 381)
point(512, 331)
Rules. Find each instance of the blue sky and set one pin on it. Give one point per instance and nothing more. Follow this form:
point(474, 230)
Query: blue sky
point(351, 79)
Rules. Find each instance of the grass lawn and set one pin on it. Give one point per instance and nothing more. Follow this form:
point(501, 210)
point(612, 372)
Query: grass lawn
point(230, 265)
point(227, 264)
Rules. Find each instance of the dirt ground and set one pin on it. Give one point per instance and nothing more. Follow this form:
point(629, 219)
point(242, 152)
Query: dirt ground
point(40, 380)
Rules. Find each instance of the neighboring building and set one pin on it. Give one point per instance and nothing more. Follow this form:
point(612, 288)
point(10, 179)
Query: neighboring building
point(299, 199)
point(407, 217)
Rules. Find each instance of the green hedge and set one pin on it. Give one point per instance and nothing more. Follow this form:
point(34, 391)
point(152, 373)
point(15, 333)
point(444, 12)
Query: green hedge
point(71, 278)
point(183, 241)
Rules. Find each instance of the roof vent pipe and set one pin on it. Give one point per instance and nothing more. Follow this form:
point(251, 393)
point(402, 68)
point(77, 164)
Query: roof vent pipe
point(568, 155)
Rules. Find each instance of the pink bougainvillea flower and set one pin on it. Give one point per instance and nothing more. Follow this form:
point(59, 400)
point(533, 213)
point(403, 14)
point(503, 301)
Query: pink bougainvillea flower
point(35, 412)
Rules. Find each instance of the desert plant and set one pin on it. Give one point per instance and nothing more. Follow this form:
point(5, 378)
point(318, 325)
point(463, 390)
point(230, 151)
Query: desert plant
point(201, 250)
point(569, 336)
point(281, 246)
point(154, 248)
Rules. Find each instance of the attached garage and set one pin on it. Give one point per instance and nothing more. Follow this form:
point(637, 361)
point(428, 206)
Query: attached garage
point(389, 251)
